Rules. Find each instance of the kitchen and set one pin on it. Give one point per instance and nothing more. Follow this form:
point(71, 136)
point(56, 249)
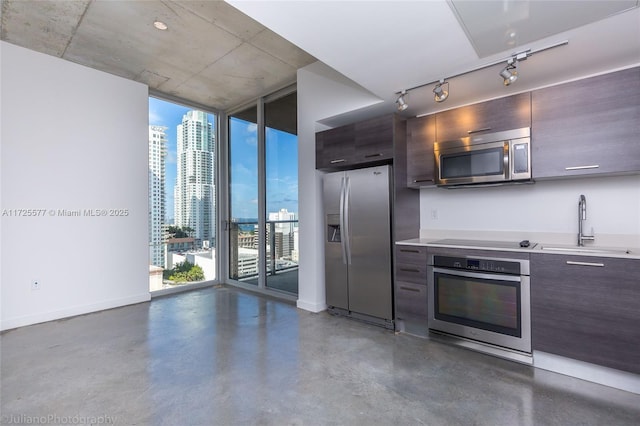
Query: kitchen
point(544, 212)
point(419, 275)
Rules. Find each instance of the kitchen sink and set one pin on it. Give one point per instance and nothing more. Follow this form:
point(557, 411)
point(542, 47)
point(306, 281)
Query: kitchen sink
point(594, 250)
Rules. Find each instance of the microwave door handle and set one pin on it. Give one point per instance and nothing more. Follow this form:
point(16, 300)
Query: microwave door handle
point(507, 160)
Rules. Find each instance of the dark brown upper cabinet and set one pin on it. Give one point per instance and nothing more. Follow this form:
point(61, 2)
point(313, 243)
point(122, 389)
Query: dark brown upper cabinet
point(367, 142)
point(511, 112)
point(421, 134)
point(336, 148)
point(587, 127)
point(374, 139)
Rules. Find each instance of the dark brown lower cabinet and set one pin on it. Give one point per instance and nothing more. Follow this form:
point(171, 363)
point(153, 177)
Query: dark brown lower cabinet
point(587, 308)
point(411, 290)
point(411, 308)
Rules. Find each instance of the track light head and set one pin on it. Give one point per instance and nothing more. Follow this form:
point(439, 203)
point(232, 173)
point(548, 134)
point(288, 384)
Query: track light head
point(440, 94)
point(402, 104)
point(509, 73)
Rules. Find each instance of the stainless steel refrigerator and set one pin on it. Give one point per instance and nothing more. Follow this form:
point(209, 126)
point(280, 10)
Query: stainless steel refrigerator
point(358, 273)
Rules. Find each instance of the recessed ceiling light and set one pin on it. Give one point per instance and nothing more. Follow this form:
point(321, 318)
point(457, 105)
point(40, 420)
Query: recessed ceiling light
point(160, 25)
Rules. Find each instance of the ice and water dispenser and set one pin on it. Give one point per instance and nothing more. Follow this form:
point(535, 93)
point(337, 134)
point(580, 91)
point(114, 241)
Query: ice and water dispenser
point(333, 228)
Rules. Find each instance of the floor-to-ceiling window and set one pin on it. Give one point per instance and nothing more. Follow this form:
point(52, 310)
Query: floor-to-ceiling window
point(263, 193)
point(182, 195)
point(281, 180)
point(243, 195)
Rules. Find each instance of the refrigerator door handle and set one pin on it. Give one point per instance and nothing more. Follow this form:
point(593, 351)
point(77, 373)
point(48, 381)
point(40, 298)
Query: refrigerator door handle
point(343, 243)
point(347, 233)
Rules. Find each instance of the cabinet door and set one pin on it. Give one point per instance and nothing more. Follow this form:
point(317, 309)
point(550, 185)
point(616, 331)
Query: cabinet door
point(374, 140)
point(335, 148)
point(512, 112)
point(587, 127)
point(411, 308)
point(587, 308)
point(421, 134)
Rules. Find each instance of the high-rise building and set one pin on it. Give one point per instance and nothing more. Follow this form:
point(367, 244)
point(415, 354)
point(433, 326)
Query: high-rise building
point(283, 239)
point(194, 194)
point(157, 156)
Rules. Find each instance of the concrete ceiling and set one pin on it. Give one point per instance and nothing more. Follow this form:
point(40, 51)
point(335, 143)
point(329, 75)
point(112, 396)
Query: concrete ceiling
point(211, 53)
point(388, 46)
point(223, 54)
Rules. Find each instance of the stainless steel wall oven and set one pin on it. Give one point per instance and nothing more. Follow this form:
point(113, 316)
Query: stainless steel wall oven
point(481, 299)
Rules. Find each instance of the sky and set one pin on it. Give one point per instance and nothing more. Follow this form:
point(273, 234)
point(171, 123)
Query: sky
point(281, 162)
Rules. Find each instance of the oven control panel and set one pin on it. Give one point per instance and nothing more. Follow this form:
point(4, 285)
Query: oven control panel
point(478, 264)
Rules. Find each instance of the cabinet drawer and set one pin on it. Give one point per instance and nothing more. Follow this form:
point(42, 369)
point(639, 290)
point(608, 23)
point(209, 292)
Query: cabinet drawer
point(412, 273)
point(411, 308)
point(414, 255)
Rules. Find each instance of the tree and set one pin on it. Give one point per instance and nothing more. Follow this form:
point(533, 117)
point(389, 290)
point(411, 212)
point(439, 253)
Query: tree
point(185, 272)
point(179, 232)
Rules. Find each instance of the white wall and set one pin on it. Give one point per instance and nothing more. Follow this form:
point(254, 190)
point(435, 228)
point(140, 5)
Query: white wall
point(532, 211)
point(71, 138)
point(322, 93)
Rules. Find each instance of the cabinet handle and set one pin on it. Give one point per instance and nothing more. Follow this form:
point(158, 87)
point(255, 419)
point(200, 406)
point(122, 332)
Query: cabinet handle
point(594, 166)
point(409, 270)
point(470, 132)
point(415, 290)
point(570, 262)
point(341, 160)
point(373, 155)
point(409, 251)
point(422, 180)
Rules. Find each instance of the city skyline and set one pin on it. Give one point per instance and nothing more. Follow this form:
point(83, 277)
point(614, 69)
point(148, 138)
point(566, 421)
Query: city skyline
point(194, 201)
point(281, 162)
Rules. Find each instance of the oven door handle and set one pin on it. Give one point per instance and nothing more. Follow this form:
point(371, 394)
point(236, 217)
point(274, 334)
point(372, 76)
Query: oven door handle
point(480, 275)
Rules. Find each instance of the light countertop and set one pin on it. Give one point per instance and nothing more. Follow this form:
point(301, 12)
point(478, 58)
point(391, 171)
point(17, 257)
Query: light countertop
point(535, 247)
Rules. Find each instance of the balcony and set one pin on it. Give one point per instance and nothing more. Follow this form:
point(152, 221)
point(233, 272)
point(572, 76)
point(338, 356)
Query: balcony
point(281, 254)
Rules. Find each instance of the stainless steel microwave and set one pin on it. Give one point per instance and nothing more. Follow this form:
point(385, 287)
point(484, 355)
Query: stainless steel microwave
point(484, 159)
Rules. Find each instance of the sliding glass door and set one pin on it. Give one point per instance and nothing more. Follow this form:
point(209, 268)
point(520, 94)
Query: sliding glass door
point(263, 194)
point(281, 167)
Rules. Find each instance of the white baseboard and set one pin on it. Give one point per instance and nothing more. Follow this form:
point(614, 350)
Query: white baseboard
point(10, 323)
point(583, 370)
point(311, 307)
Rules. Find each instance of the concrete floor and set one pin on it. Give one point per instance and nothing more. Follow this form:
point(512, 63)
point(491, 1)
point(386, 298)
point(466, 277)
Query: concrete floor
point(219, 356)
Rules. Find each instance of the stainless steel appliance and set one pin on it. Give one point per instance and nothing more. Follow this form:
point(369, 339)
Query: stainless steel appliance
point(481, 302)
point(484, 159)
point(358, 274)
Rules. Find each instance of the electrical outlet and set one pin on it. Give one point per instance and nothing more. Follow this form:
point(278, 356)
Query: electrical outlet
point(434, 214)
point(35, 285)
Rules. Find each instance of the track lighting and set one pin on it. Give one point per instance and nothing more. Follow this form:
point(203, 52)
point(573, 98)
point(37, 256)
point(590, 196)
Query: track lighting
point(402, 104)
point(441, 94)
point(509, 73)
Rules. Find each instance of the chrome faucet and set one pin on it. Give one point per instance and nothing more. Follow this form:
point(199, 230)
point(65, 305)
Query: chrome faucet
point(582, 215)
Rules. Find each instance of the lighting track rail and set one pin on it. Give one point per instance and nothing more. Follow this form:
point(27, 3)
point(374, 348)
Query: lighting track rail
point(508, 73)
